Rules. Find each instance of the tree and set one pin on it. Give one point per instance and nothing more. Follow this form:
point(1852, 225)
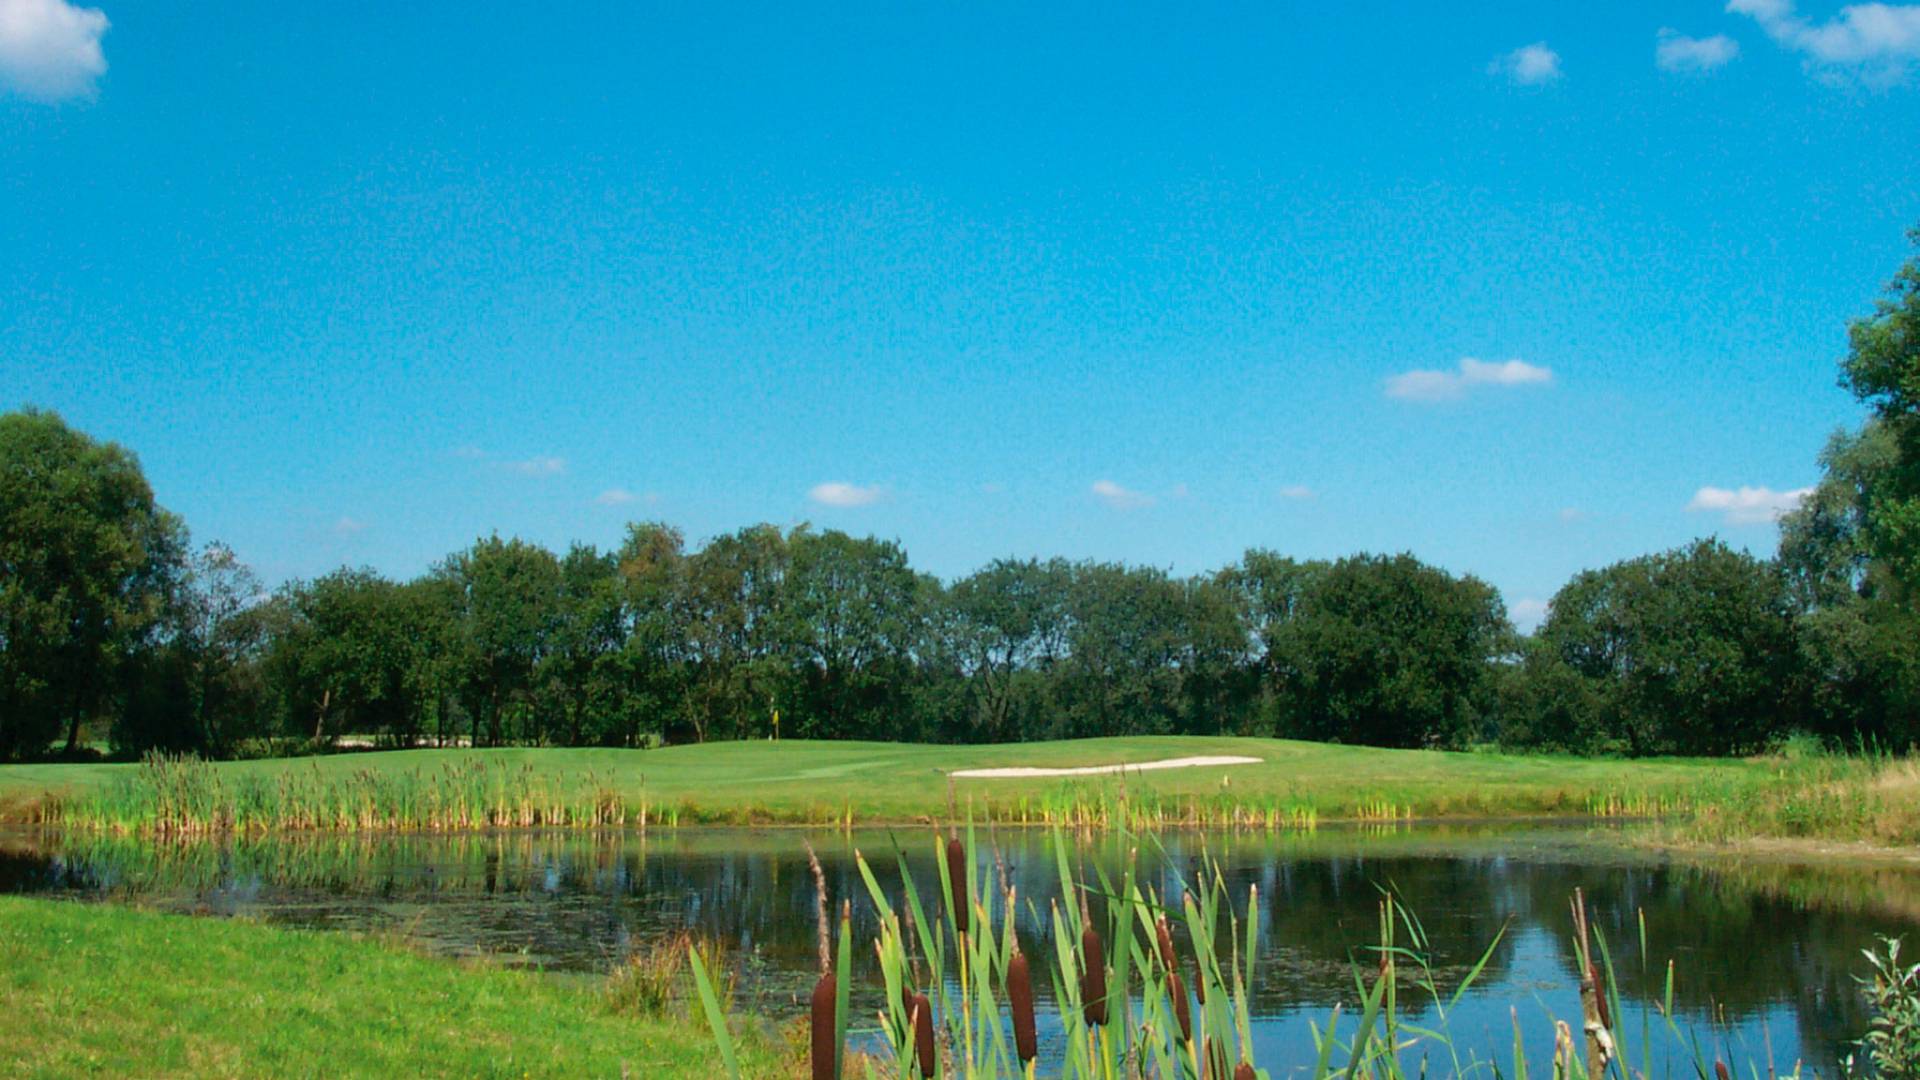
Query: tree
point(579, 671)
point(511, 594)
point(850, 624)
point(736, 590)
point(1690, 651)
point(1882, 369)
point(1386, 651)
point(87, 563)
point(1007, 627)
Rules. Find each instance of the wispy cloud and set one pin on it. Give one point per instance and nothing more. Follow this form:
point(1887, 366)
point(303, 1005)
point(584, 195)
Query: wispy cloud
point(49, 49)
point(1427, 385)
point(615, 497)
point(1528, 65)
point(1675, 51)
point(843, 495)
point(543, 465)
point(1570, 514)
point(1296, 491)
point(346, 526)
point(1877, 42)
point(1120, 498)
point(1747, 505)
point(469, 452)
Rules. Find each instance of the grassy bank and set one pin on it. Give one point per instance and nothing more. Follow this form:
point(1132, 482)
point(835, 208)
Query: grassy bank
point(1295, 785)
point(96, 989)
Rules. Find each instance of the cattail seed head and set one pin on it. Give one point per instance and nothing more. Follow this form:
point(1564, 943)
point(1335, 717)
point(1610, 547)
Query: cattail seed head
point(1182, 1012)
point(824, 1050)
point(1243, 1071)
point(1165, 934)
point(1199, 981)
point(958, 874)
point(1093, 980)
point(923, 1034)
point(1020, 998)
point(1600, 995)
point(1720, 1070)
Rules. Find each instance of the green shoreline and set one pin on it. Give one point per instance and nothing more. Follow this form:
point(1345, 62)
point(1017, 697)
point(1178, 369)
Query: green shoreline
point(1294, 785)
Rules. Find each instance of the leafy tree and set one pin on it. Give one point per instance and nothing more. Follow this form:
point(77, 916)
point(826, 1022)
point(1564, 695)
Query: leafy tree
point(1691, 650)
point(511, 594)
point(1386, 651)
point(1007, 628)
point(1882, 369)
point(736, 591)
point(87, 564)
point(579, 672)
point(850, 623)
point(340, 655)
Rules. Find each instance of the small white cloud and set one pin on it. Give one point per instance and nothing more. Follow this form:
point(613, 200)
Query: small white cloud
point(1427, 385)
point(1747, 505)
point(1877, 42)
point(1674, 51)
point(49, 49)
point(346, 526)
point(545, 465)
point(1571, 514)
point(1296, 491)
point(1528, 613)
point(614, 497)
point(845, 495)
point(1528, 65)
point(469, 452)
point(1120, 498)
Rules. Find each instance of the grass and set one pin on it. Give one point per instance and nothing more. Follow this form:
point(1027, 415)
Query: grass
point(1296, 785)
point(97, 989)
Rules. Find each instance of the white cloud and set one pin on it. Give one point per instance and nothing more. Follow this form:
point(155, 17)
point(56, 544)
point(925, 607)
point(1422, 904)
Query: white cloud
point(1878, 42)
point(845, 495)
point(1747, 505)
point(1120, 498)
point(1296, 491)
point(1675, 51)
point(1571, 514)
point(545, 465)
point(469, 452)
point(1528, 612)
point(1528, 65)
point(49, 49)
point(346, 526)
point(1427, 385)
point(614, 497)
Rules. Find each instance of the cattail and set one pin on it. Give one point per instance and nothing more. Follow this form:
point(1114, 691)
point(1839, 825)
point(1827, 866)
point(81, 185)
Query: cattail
point(1093, 981)
point(1720, 1070)
point(1199, 981)
point(1020, 999)
point(824, 1048)
point(1165, 934)
point(923, 1034)
point(1182, 1012)
point(1243, 1071)
point(958, 873)
point(1600, 995)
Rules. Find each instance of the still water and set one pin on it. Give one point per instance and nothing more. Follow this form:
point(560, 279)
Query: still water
point(1764, 953)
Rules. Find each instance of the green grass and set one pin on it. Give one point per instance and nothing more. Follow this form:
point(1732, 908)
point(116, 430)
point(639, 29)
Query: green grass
point(1296, 784)
point(95, 989)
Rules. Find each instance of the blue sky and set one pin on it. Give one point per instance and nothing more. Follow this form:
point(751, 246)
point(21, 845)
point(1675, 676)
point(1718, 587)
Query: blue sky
point(1522, 288)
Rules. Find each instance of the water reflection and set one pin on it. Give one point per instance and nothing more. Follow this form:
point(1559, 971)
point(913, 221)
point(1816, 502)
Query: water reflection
point(1763, 954)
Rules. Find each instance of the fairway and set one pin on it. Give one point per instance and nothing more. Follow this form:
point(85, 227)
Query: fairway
point(821, 782)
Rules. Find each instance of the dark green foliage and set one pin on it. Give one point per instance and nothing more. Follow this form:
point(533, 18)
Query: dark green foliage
point(1688, 651)
point(1385, 651)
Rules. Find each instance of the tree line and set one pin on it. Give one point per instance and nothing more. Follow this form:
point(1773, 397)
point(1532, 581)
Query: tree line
point(111, 622)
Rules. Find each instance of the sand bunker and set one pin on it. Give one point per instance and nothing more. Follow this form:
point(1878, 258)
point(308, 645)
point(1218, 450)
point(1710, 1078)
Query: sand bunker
point(1095, 770)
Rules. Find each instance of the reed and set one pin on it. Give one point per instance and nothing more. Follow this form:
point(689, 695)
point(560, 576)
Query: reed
point(1121, 996)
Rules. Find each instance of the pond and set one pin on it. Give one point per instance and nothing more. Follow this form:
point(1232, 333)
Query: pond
point(1764, 953)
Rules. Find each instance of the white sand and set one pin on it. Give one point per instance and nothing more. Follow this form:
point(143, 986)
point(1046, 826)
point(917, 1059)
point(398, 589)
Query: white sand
point(1094, 770)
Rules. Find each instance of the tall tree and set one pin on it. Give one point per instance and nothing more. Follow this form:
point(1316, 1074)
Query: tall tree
point(87, 562)
point(1882, 369)
point(512, 594)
